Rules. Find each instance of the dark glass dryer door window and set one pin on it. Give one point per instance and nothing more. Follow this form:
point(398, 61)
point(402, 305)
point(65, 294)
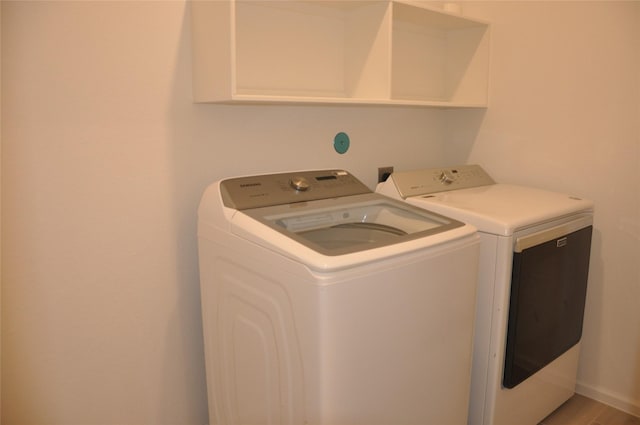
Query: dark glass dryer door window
point(548, 291)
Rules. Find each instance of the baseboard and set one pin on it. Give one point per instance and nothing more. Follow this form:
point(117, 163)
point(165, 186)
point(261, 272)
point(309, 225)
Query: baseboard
point(609, 398)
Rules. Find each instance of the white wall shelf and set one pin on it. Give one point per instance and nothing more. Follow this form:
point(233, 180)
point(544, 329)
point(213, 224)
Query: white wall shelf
point(379, 52)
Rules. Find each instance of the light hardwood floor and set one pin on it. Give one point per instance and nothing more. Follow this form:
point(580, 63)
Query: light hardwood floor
point(580, 410)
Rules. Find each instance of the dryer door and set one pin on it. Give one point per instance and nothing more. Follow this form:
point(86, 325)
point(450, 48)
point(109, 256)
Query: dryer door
point(548, 292)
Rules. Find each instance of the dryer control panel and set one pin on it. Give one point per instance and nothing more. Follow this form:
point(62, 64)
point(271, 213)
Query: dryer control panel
point(433, 180)
point(288, 188)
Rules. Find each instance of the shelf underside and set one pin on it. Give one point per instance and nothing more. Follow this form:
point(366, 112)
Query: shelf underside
point(314, 100)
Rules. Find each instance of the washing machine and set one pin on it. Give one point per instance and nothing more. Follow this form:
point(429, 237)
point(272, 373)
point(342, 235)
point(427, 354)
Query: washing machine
point(325, 303)
point(534, 261)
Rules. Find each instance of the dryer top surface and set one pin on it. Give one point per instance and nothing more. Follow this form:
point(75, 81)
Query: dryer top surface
point(503, 208)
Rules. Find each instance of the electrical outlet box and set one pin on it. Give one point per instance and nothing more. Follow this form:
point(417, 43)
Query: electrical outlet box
point(384, 173)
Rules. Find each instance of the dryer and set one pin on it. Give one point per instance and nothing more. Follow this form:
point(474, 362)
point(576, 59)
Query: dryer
point(327, 304)
point(534, 261)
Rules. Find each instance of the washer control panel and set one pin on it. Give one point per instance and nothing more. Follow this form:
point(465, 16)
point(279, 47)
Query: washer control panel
point(433, 180)
point(288, 188)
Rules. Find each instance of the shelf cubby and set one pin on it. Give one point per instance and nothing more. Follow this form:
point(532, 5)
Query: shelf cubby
point(348, 51)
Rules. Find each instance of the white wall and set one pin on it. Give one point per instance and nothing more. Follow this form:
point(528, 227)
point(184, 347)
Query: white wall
point(105, 157)
point(104, 160)
point(565, 115)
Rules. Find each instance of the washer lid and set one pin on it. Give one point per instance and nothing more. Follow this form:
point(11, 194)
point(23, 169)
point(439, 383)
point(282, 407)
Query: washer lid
point(502, 208)
point(346, 225)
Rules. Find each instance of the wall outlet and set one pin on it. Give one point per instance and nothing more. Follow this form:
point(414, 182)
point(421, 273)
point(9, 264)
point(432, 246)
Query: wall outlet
point(384, 173)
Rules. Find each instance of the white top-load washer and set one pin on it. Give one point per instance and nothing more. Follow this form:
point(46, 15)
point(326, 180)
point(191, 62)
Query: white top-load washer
point(534, 261)
point(327, 304)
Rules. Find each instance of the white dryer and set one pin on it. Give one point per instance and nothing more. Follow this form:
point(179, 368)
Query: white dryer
point(534, 261)
point(327, 304)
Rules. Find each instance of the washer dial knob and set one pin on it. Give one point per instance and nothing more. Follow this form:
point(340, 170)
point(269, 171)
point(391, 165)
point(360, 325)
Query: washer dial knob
point(446, 178)
point(300, 184)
